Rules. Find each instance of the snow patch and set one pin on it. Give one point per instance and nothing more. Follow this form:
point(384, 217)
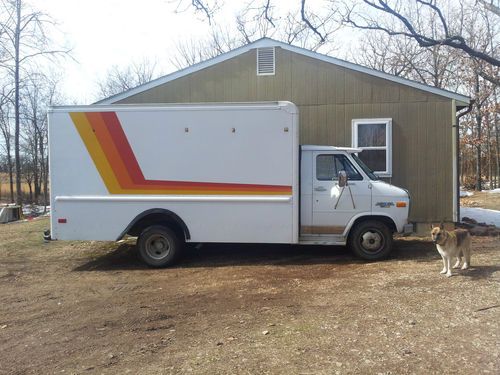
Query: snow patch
point(481, 215)
point(466, 193)
point(494, 191)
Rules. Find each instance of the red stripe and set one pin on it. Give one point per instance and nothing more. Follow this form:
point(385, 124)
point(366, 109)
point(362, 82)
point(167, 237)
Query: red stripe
point(127, 155)
point(121, 143)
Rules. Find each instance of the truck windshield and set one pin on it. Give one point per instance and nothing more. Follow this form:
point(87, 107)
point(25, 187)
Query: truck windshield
point(368, 171)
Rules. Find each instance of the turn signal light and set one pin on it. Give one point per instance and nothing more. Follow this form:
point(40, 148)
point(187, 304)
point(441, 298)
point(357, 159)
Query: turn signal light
point(400, 204)
point(62, 221)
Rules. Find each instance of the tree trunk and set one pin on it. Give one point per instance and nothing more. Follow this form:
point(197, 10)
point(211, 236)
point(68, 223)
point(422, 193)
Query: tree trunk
point(488, 150)
point(10, 165)
point(35, 161)
point(497, 146)
point(17, 36)
point(31, 190)
point(42, 166)
point(46, 184)
point(479, 184)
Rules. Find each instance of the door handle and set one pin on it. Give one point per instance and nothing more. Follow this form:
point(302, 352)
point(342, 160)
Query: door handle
point(320, 188)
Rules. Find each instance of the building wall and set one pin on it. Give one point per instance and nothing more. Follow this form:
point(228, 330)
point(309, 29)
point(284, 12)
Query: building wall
point(329, 97)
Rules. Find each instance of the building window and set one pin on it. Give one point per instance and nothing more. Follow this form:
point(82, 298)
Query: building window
point(374, 137)
point(266, 63)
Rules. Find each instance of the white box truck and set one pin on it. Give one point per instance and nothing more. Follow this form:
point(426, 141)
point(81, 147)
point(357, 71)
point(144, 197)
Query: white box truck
point(170, 174)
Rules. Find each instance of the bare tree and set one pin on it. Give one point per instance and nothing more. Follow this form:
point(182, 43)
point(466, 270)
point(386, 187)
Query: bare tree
point(39, 92)
point(490, 6)
point(396, 56)
point(119, 79)
point(410, 19)
point(253, 22)
point(206, 8)
point(434, 66)
point(24, 39)
point(6, 132)
point(192, 51)
point(423, 21)
point(262, 8)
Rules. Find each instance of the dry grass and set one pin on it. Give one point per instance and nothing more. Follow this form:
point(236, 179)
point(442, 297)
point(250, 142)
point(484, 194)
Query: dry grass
point(483, 200)
point(5, 187)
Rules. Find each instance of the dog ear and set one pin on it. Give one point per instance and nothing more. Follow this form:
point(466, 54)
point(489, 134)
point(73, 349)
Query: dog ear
point(431, 226)
point(441, 225)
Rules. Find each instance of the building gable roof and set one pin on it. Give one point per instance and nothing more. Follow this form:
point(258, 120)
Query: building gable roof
point(267, 42)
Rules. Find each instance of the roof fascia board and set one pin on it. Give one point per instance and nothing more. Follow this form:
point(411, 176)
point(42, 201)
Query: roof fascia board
point(266, 42)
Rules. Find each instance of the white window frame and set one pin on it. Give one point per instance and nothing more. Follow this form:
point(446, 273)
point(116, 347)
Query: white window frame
point(388, 141)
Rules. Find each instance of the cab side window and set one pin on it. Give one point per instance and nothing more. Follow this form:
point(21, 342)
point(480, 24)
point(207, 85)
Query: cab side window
point(328, 166)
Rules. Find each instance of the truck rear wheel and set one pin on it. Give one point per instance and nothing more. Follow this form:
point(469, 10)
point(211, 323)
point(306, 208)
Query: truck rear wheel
point(371, 240)
point(159, 246)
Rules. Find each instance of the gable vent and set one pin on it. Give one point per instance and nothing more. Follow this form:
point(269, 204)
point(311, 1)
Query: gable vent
point(266, 63)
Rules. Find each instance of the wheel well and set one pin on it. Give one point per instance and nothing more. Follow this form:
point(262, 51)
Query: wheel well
point(384, 219)
point(157, 216)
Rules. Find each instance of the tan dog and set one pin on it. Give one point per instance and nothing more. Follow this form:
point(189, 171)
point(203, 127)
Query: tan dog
point(452, 244)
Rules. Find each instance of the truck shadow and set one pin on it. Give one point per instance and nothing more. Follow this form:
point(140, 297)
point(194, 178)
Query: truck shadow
point(125, 256)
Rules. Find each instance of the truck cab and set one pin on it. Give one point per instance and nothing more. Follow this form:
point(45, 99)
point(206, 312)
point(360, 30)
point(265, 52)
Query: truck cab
point(344, 202)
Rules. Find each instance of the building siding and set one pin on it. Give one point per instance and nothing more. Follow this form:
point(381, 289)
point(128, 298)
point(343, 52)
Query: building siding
point(329, 97)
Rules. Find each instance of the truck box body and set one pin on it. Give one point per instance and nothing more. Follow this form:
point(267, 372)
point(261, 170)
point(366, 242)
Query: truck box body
point(229, 171)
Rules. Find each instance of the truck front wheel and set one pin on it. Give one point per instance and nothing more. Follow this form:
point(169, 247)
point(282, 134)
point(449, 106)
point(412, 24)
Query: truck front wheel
point(371, 240)
point(158, 246)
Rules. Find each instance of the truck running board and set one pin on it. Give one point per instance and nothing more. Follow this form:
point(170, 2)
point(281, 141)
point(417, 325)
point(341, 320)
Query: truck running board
point(322, 240)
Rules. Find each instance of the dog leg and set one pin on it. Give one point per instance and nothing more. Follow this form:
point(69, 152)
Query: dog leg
point(459, 260)
point(444, 265)
point(467, 258)
point(448, 266)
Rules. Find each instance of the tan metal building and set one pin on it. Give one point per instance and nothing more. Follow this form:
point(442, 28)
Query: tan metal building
point(405, 128)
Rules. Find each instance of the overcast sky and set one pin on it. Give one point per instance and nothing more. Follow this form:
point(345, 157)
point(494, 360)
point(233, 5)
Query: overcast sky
point(103, 33)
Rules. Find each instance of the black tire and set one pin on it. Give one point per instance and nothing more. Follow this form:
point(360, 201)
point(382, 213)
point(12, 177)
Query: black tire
point(371, 240)
point(159, 246)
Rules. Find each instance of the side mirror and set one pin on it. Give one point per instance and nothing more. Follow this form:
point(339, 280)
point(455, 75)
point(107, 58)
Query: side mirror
point(342, 178)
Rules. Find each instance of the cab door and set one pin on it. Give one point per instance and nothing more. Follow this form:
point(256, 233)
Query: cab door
point(334, 206)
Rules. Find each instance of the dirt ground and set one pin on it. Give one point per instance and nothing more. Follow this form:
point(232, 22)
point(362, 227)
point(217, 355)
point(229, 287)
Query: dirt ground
point(482, 199)
point(92, 308)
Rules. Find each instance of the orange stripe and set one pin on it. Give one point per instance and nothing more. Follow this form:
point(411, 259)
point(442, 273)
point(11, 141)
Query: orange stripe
point(104, 138)
point(101, 163)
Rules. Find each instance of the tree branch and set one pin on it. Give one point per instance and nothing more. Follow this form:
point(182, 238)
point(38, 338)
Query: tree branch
point(493, 79)
point(454, 41)
point(308, 23)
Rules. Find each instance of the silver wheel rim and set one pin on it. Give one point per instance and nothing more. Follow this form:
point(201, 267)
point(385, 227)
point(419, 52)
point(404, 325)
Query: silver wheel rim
point(157, 246)
point(372, 241)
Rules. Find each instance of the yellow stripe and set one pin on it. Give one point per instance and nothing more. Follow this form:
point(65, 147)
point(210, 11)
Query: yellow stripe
point(101, 162)
point(104, 168)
